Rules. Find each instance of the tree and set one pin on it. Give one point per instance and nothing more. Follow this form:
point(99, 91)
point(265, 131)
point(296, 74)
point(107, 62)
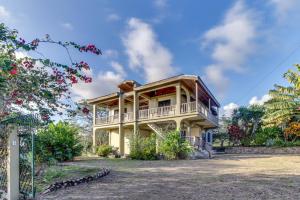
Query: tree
point(236, 134)
point(292, 131)
point(38, 84)
point(284, 104)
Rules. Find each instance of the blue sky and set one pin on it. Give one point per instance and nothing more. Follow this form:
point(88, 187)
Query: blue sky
point(239, 48)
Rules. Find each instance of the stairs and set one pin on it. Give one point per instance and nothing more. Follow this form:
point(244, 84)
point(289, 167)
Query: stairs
point(156, 129)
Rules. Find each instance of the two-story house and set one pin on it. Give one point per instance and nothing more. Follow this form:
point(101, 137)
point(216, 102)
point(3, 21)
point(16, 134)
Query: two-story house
point(182, 102)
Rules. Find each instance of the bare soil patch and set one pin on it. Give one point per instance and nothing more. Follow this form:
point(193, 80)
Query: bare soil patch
point(224, 177)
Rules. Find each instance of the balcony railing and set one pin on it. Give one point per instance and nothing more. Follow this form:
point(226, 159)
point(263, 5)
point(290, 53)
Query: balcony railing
point(158, 112)
point(108, 119)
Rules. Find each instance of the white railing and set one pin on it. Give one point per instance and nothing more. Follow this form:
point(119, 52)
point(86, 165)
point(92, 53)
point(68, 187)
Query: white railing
point(127, 117)
point(108, 119)
point(157, 112)
point(188, 107)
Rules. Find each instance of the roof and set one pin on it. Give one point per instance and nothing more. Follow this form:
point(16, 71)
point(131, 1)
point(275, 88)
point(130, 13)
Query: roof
point(138, 87)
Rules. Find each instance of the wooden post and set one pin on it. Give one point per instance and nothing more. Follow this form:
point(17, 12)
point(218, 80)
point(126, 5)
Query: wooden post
point(197, 95)
point(135, 111)
point(94, 140)
point(94, 115)
point(121, 131)
point(178, 98)
point(13, 164)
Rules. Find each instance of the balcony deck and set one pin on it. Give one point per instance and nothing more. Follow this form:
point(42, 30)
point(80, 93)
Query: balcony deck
point(159, 112)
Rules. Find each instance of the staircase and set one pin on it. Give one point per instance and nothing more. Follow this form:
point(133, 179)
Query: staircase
point(156, 129)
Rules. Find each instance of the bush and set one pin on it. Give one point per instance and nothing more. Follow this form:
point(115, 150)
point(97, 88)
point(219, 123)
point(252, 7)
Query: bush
point(175, 147)
point(104, 150)
point(143, 148)
point(59, 142)
point(268, 136)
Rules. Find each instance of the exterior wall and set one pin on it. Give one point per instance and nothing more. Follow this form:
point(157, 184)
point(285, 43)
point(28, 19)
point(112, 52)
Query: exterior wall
point(153, 103)
point(114, 137)
point(195, 131)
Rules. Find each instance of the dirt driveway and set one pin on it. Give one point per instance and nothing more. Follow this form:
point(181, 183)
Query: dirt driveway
point(224, 177)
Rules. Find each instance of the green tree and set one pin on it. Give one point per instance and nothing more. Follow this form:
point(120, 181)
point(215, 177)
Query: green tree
point(285, 102)
point(59, 141)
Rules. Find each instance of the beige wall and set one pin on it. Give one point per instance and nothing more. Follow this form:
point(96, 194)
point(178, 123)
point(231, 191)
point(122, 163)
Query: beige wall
point(195, 131)
point(114, 137)
point(128, 135)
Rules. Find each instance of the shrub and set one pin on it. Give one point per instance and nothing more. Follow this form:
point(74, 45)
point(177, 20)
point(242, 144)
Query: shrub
point(143, 148)
point(104, 150)
point(268, 136)
point(236, 134)
point(59, 142)
point(174, 146)
point(292, 131)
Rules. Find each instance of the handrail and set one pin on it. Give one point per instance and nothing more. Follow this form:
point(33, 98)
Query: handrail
point(107, 119)
point(157, 112)
point(127, 117)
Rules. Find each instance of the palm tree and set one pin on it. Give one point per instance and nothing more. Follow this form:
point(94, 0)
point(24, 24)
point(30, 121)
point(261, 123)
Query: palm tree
point(284, 105)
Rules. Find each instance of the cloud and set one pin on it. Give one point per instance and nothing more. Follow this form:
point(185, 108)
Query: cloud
point(21, 54)
point(110, 53)
point(113, 17)
point(160, 3)
point(232, 42)
point(256, 101)
point(68, 26)
point(229, 108)
point(145, 52)
point(103, 83)
point(283, 7)
point(4, 13)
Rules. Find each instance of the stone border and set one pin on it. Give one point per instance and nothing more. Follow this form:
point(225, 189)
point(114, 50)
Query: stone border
point(263, 150)
point(73, 182)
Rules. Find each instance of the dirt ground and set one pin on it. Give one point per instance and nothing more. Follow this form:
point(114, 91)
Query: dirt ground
point(224, 177)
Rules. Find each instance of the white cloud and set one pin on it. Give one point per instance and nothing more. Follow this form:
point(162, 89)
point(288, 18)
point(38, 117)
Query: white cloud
point(4, 13)
point(256, 101)
point(161, 3)
point(145, 52)
point(231, 42)
point(113, 17)
point(110, 53)
point(103, 83)
point(283, 7)
point(68, 26)
point(229, 108)
point(21, 54)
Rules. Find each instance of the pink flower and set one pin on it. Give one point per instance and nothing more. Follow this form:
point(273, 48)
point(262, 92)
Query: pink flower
point(85, 110)
point(14, 71)
point(19, 101)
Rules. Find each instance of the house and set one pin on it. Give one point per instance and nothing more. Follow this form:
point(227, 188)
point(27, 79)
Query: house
point(181, 102)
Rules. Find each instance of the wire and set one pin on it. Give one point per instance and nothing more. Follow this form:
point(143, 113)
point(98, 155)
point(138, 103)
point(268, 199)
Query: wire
point(293, 51)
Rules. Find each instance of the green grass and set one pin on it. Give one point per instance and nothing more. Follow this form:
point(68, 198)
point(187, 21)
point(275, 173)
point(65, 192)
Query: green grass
point(59, 173)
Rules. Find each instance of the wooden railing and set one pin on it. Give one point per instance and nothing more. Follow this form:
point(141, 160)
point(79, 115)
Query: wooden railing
point(127, 117)
point(157, 112)
point(107, 119)
point(194, 141)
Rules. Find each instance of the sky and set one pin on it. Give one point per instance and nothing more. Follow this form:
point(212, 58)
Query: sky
point(239, 48)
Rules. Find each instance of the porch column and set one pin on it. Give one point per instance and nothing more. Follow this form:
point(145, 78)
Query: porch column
point(13, 164)
point(94, 114)
point(178, 98)
point(178, 124)
point(135, 111)
point(94, 140)
point(197, 95)
point(121, 131)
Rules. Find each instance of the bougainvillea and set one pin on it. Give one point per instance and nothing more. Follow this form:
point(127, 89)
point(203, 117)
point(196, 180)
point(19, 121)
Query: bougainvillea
point(292, 131)
point(235, 133)
point(38, 84)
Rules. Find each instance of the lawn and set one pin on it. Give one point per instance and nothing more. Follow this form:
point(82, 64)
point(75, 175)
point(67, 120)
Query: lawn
point(224, 177)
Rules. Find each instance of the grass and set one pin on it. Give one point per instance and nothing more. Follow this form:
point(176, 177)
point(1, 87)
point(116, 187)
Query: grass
point(59, 173)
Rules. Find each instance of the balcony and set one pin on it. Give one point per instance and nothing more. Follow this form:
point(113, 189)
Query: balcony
point(146, 113)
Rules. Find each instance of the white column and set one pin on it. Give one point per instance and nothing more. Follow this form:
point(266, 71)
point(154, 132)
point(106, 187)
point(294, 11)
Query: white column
point(121, 131)
point(94, 115)
point(94, 140)
point(178, 98)
point(135, 111)
point(13, 164)
point(197, 95)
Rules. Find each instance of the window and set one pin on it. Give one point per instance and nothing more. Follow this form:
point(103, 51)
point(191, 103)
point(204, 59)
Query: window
point(125, 110)
point(116, 112)
point(164, 103)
